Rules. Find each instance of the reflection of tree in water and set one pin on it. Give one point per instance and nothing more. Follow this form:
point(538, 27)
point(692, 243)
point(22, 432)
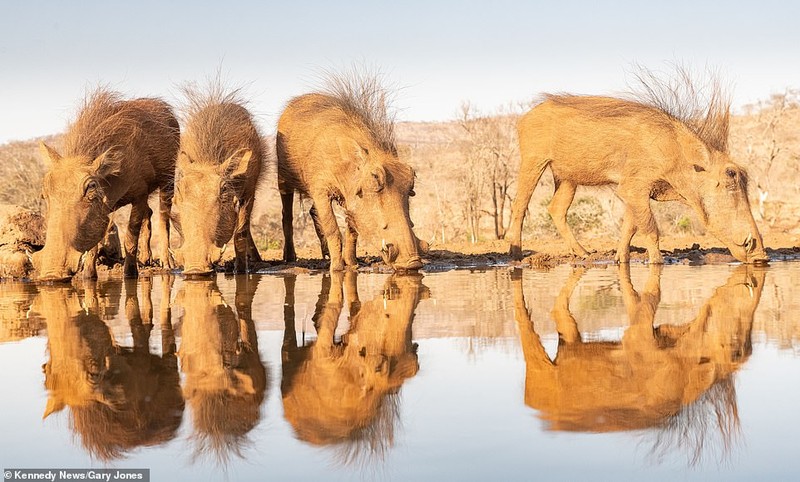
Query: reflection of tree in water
point(120, 398)
point(674, 382)
point(346, 394)
point(225, 379)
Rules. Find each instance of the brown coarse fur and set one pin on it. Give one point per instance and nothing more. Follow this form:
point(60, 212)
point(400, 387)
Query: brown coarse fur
point(338, 145)
point(119, 398)
point(344, 394)
point(116, 152)
point(654, 375)
point(221, 160)
point(658, 146)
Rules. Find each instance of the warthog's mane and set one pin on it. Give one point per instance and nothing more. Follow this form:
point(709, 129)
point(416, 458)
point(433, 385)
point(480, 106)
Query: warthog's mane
point(363, 98)
point(704, 108)
point(217, 123)
point(106, 120)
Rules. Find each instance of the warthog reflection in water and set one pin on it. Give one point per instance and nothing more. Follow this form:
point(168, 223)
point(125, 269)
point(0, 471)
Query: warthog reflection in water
point(346, 393)
point(225, 380)
point(119, 398)
point(674, 378)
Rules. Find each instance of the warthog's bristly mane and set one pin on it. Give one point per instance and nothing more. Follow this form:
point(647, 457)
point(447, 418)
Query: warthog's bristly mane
point(703, 106)
point(216, 122)
point(703, 109)
point(362, 97)
point(105, 121)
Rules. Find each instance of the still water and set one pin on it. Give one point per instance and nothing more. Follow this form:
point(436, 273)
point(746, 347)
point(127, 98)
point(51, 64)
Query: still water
point(566, 374)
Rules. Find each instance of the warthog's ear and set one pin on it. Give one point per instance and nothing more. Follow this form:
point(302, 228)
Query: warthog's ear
point(48, 152)
point(236, 165)
point(107, 164)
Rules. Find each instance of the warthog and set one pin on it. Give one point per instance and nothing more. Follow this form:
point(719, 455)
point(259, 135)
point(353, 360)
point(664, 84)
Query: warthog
point(653, 374)
point(225, 379)
point(345, 392)
point(119, 398)
point(218, 170)
point(339, 146)
point(115, 153)
point(652, 149)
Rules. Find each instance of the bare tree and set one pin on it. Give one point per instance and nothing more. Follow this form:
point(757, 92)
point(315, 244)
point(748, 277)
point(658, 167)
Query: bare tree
point(491, 153)
point(766, 145)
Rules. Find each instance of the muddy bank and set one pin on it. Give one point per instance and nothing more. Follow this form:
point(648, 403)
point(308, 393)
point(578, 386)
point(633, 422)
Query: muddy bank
point(542, 254)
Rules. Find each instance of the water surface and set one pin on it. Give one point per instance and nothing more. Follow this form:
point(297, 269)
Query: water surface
point(577, 374)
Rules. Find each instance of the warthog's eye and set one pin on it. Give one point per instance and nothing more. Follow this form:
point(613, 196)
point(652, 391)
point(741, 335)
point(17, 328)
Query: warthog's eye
point(731, 173)
point(412, 193)
point(90, 190)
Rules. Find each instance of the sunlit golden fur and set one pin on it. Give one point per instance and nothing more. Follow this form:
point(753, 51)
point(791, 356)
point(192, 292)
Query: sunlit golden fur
point(116, 152)
point(655, 377)
point(225, 379)
point(119, 398)
point(337, 145)
point(221, 160)
point(661, 145)
point(345, 393)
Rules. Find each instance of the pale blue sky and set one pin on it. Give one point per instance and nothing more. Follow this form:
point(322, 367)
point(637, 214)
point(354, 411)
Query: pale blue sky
point(440, 52)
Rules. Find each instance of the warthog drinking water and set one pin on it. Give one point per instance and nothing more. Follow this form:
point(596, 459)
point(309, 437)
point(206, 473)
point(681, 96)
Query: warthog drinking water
point(218, 170)
point(339, 146)
point(115, 153)
point(653, 374)
point(652, 149)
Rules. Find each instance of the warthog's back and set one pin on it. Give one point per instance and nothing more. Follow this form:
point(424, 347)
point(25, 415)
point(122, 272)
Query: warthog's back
point(591, 140)
point(144, 131)
point(308, 148)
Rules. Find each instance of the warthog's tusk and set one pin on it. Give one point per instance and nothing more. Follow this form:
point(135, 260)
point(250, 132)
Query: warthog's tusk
point(383, 244)
point(750, 288)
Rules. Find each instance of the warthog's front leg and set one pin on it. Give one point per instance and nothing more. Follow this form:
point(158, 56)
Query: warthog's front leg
point(350, 242)
point(323, 243)
point(638, 218)
point(145, 255)
point(164, 208)
point(329, 229)
point(287, 203)
point(138, 212)
point(243, 243)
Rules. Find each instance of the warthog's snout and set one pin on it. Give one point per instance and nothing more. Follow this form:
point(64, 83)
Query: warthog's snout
point(55, 278)
point(198, 270)
point(412, 263)
point(390, 253)
point(754, 250)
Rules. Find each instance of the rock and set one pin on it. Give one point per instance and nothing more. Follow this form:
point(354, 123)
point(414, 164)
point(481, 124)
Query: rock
point(21, 233)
